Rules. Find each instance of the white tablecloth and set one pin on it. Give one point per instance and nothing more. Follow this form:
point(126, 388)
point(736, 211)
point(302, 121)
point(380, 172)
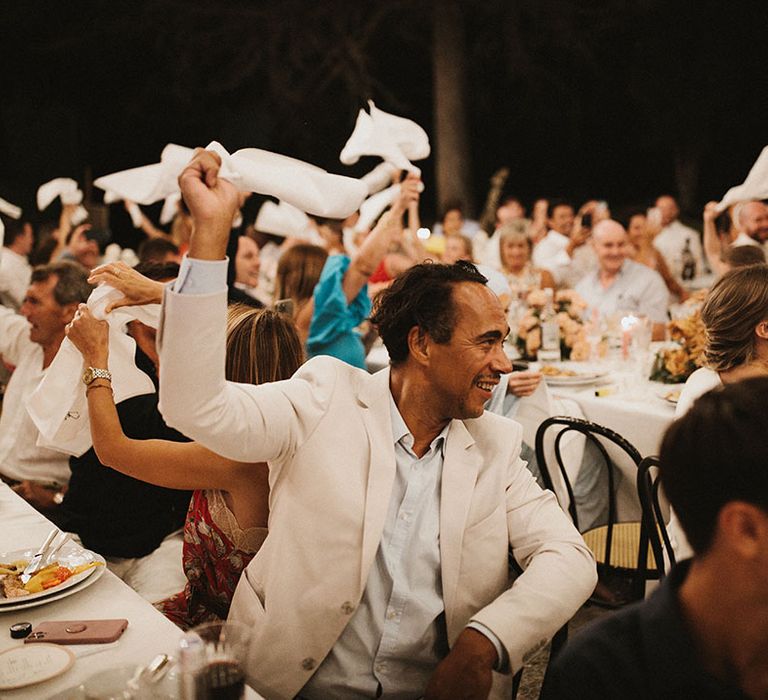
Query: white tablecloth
point(149, 633)
point(641, 415)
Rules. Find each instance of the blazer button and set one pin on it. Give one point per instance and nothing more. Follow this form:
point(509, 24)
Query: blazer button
point(347, 608)
point(308, 664)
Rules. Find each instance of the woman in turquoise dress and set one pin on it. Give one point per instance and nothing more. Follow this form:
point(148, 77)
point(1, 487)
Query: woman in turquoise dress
point(328, 307)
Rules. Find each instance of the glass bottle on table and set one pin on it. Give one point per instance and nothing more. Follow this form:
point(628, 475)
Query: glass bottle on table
point(550, 331)
point(688, 262)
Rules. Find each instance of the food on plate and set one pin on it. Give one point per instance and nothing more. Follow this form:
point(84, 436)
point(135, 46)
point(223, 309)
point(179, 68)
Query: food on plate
point(552, 371)
point(673, 396)
point(48, 577)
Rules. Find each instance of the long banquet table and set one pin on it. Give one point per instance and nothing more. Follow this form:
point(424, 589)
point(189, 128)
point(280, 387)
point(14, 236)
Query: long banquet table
point(148, 632)
point(639, 413)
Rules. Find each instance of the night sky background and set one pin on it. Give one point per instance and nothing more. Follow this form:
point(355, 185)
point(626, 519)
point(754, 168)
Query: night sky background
point(611, 99)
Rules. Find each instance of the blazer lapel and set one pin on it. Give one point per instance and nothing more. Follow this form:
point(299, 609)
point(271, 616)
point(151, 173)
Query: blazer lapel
point(460, 467)
point(374, 399)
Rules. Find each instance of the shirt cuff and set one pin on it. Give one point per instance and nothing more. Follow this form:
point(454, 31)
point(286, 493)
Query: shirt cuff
point(201, 276)
point(502, 663)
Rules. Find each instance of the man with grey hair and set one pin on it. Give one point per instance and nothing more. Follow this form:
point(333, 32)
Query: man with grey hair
point(30, 341)
point(620, 284)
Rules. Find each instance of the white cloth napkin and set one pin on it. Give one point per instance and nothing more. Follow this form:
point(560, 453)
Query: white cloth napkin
point(371, 208)
point(282, 219)
point(63, 187)
point(395, 139)
point(9, 209)
point(305, 186)
point(58, 405)
point(66, 189)
point(379, 177)
point(170, 207)
point(754, 187)
point(134, 211)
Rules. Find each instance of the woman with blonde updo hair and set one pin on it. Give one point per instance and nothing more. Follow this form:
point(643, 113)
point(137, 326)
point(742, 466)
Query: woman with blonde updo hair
point(735, 315)
point(515, 255)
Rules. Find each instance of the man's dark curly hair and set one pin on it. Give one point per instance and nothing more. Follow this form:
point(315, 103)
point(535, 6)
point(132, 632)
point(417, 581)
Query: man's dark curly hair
point(421, 296)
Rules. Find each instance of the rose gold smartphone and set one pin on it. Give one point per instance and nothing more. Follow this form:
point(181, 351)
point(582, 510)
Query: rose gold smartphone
point(78, 631)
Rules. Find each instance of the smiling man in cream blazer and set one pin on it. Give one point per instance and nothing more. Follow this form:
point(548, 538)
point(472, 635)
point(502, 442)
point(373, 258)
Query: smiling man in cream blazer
point(394, 497)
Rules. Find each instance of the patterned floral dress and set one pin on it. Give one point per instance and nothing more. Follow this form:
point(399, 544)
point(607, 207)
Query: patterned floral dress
point(216, 550)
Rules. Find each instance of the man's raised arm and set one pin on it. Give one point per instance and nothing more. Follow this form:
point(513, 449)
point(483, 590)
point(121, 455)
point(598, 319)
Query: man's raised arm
point(238, 421)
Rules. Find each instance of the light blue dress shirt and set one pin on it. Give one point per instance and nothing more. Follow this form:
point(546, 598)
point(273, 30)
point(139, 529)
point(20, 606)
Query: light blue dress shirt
point(636, 288)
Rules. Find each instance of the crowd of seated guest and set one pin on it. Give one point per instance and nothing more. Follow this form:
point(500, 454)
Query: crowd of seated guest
point(142, 476)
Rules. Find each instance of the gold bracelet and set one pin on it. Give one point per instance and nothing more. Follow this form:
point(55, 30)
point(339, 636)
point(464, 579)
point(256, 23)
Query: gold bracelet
point(93, 385)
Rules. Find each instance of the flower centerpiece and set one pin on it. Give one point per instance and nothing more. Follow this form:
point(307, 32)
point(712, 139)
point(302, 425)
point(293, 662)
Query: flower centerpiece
point(569, 308)
point(673, 365)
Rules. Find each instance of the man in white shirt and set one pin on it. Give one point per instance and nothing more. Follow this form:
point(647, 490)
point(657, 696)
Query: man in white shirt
point(556, 250)
point(752, 220)
point(15, 269)
point(621, 284)
point(30, 341)
point(395, 498)
point(674, 236)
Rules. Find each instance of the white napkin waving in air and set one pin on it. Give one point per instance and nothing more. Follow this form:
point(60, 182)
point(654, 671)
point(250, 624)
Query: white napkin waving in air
point(371, 208)
point(66, 189)
point(306, 187)
point(395, 139)
point(282, 219)
point(58, 406)
point(134, 211)
point(754, 187)
point(10, 209)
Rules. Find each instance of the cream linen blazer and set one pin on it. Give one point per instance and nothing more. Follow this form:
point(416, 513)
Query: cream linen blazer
point(327, 437)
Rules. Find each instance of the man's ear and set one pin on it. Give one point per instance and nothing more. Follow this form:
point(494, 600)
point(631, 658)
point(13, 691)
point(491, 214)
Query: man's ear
point(745, 526)
point(418, 345)
point(68, 312)
point(762, 330)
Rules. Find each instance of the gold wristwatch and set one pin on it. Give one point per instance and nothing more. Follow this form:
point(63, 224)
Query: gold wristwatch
point(93, 373)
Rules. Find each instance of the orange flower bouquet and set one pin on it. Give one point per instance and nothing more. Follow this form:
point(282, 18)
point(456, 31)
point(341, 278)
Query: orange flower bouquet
point(674, 365)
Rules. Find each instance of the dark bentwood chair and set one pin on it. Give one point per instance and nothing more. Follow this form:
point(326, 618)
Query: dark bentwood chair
point(620, 548)
point(648, 488)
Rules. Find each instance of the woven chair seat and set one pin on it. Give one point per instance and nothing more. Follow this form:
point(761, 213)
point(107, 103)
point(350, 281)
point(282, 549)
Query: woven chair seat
point(624, 546)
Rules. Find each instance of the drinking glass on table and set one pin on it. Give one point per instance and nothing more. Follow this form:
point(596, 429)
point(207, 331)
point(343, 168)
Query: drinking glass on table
point(212, 659)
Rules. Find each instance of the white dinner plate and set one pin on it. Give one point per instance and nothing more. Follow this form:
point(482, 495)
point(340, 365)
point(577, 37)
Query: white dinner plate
point(583, 375)
point(69, 557)
point(28, 664)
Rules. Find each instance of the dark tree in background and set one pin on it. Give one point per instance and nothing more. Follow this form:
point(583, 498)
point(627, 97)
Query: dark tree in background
point(619, 99)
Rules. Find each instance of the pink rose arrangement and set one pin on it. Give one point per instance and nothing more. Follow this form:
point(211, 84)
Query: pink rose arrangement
point(569, 308)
